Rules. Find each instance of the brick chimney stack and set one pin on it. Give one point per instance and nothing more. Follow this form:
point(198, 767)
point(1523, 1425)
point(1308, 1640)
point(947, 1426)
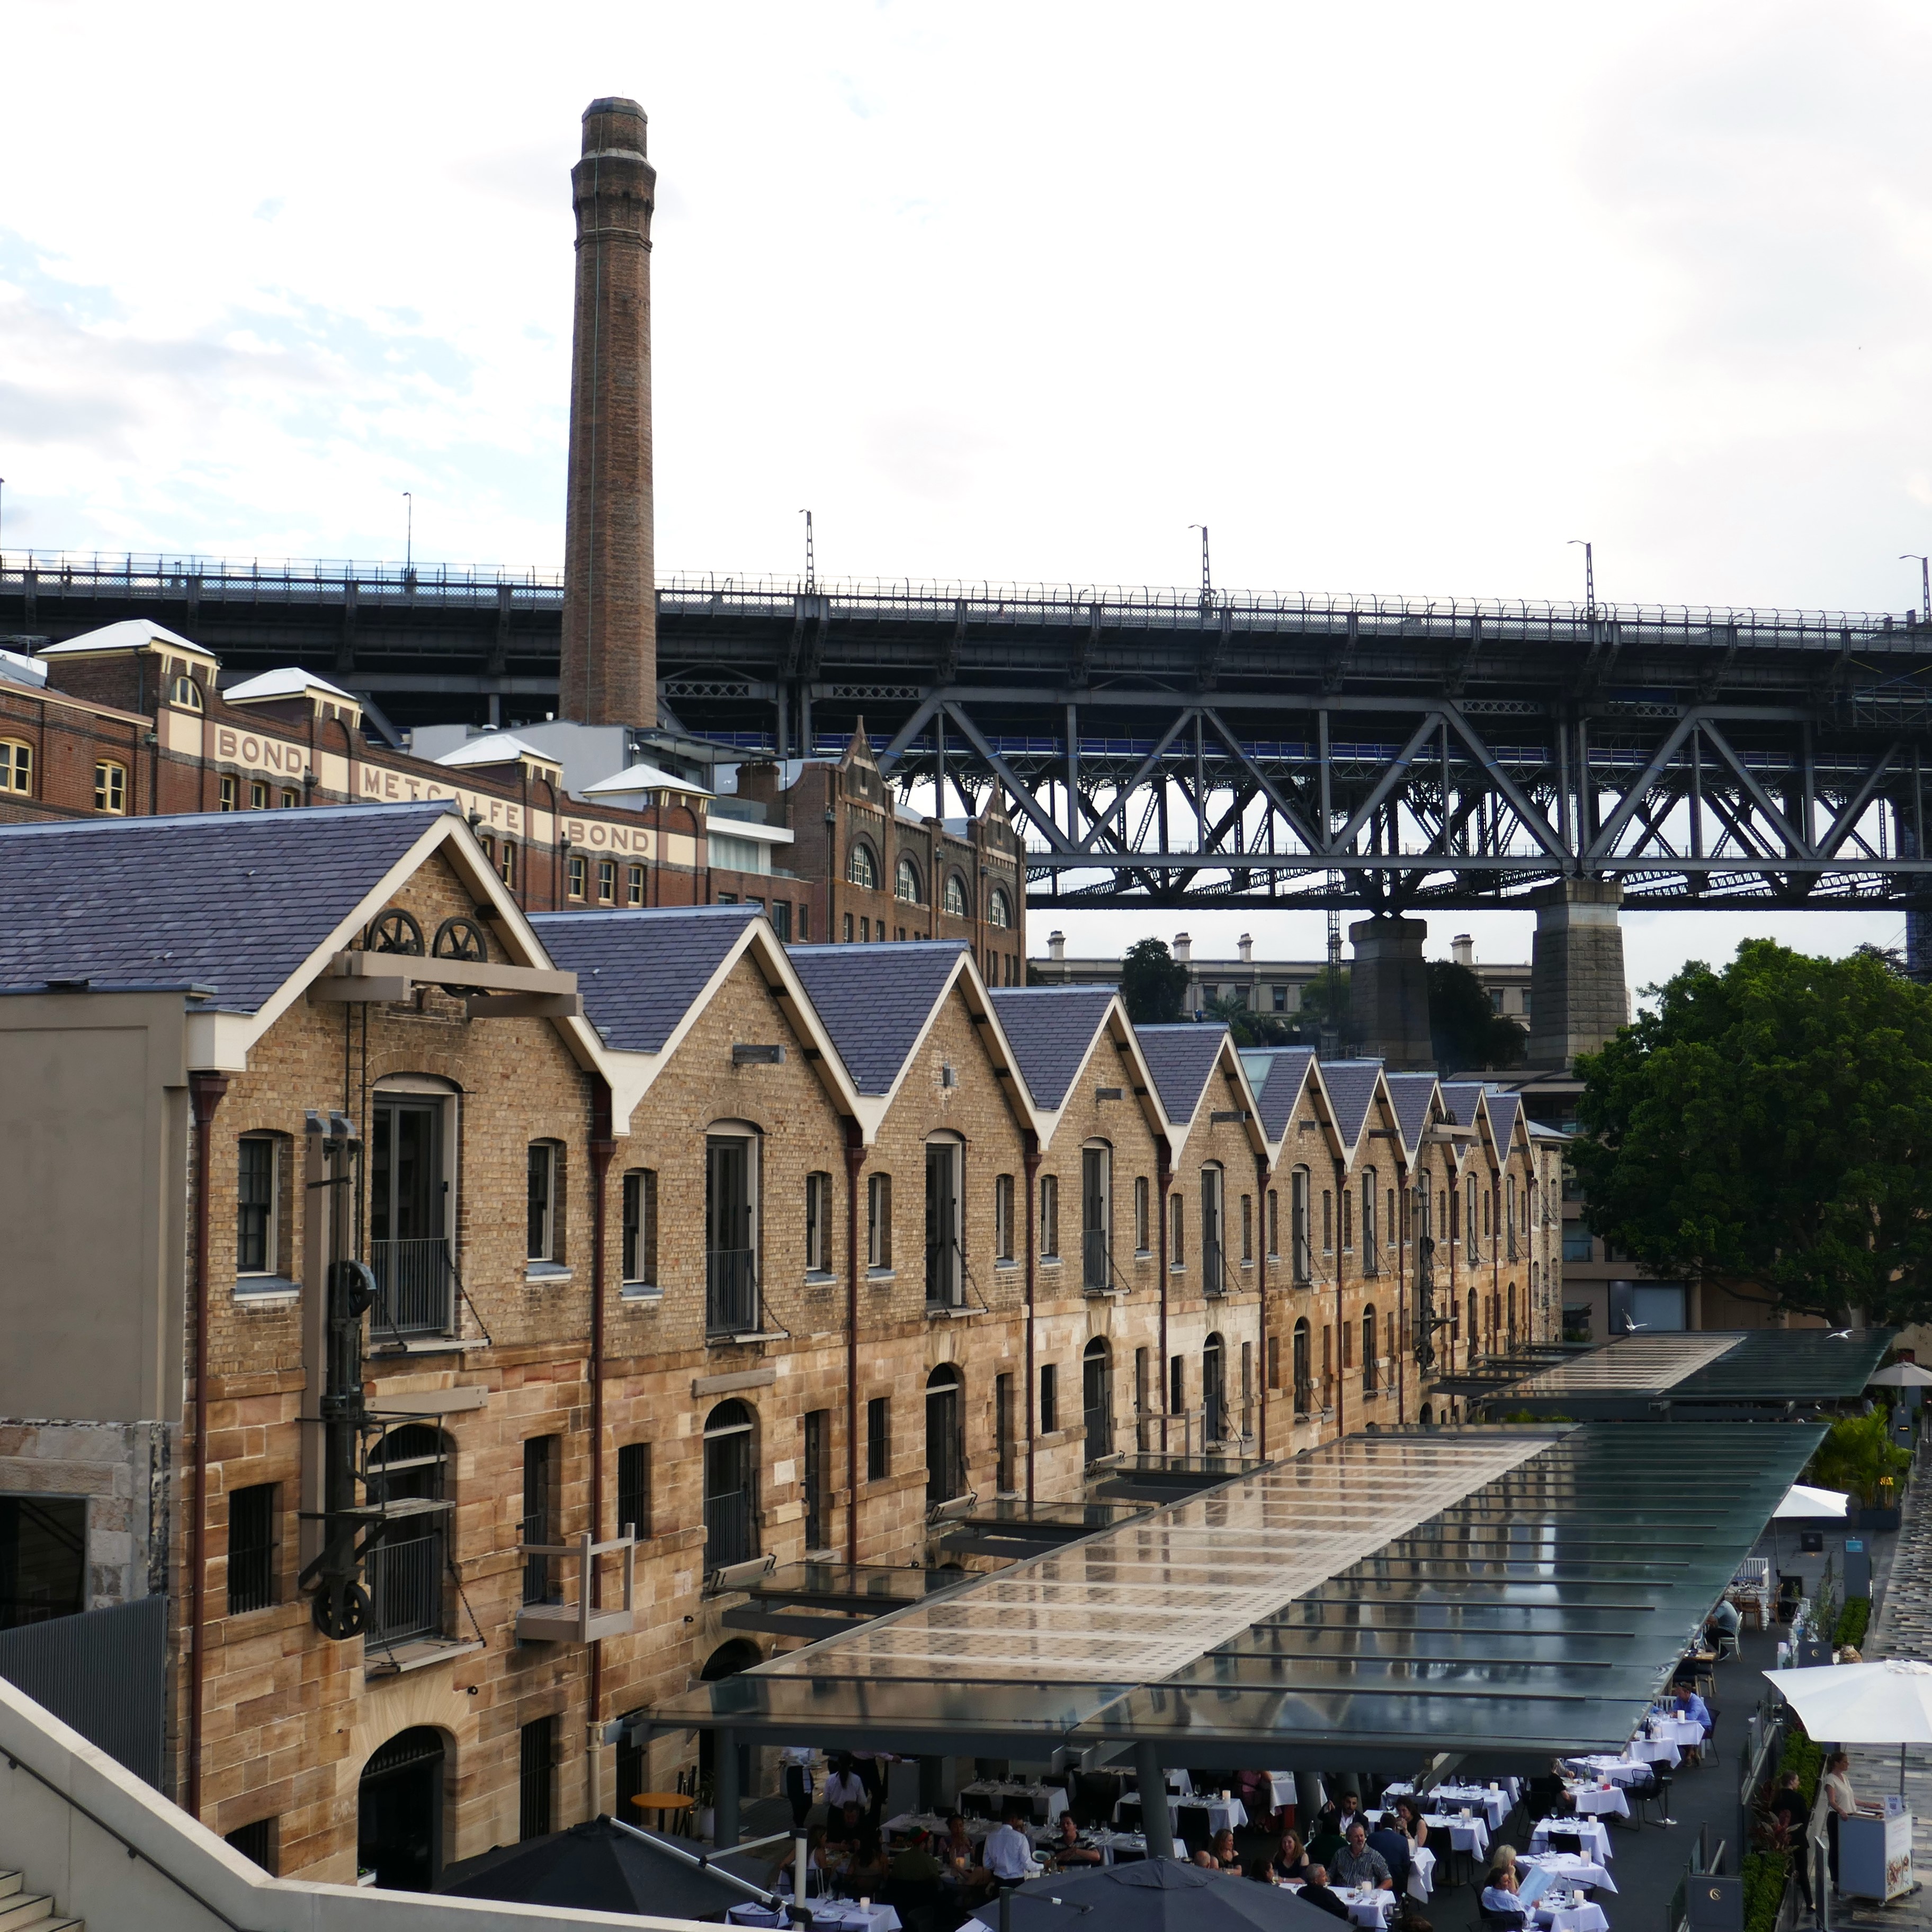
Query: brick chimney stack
point(609, 668)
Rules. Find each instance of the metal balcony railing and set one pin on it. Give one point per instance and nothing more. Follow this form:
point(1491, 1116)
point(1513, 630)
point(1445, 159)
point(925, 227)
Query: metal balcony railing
point(945, 1275)
point(414, 1288)
point(1096, 1260)
point(405, 1583)
point(731, 1531)
point(731, 1291)
point(1214, 1271)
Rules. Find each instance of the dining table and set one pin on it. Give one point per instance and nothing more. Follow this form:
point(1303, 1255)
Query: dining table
point(1626, 1770)
point(1369, 1906)
point(1582, 1917)
point(1470, 1834)
point(845, 1915)
point(1224, 1814)
point(1570, 1868)
point(1600, 1800)
point(1591, 1833)
point(1044, 1803)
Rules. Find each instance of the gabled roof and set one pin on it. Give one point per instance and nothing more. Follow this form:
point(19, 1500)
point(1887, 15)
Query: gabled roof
point(1464, 1099)
point(291, 681)
point(1352, 1092)
point(876, 1001)
point(1181, 1059)
point(638, 973)
point(1052, 1029)
point(235, 902)
point(1410, 1094)
point(1504, 1108)
point(1277, 1074)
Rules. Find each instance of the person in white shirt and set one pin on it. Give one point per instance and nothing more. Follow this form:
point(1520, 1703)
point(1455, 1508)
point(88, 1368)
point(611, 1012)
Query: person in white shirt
point(843, 1786)
point(1009, 1856)
point(1499, 1895)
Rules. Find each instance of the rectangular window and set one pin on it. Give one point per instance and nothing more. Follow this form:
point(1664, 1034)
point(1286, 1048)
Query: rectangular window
point(1247, 1227)
point(848, 928)
point(606, 882)
point(1003, 1217)
point(541, 1217)
point(289, 799)
point(1003, 1434)
point(258, 795)
point(255, 1839)
point(818, 1487)
point(1049, 1217)
point(1143, 1367)
point(1348, 1221)
point(878, 1438)
point(865, 930)
point(251, 1548)
point(577, 872)
point(818, 1223)
point(1371, 1254)
point(781, 919)
point(879, 1221)
point(804, 923)
point(540, 1482)
point(507, 864)
point(230, 791)
point(1274, 1362)
point(1049, 1395)
point(1303, 1259)
point(641, 1228)
point(256, 1197)
point(1176, 1255)
point(536, 1752)
point(110, 787)
point(1177, 1386)
point(1143, 1235)
point(1274, 1223)
point(43, 1559)
point(633, 1489)
point(1577, 1243)
point(16, 766)
point(634, 885)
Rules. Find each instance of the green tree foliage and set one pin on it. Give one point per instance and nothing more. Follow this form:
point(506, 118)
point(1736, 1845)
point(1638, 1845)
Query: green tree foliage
point(1769, 1128)
point(1464, 1031)
point(1153, 983)
point(1857, 1455)
point(1248, 1027)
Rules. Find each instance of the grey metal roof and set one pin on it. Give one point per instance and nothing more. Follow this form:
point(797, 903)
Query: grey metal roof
point(1411, 1093)
point(1181, 1058)
point(1051, 1030)
point(233, 902)
point(875, 1000)
point(1277, 1074)
point(637, 973)
point(1351, 1089)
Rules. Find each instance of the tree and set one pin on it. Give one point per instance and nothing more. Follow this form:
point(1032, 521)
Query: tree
point(1464, 1029)
point(1248, 1027)
point(1153, 983)
point(1769, 1128)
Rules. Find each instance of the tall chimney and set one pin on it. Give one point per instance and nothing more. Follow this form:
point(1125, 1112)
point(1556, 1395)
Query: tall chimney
point(609, 668)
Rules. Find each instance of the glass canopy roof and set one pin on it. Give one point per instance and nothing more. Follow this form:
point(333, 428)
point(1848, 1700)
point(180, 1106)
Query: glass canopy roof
point(1432, 1590)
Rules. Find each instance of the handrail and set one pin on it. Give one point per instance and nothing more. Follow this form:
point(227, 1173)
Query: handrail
point(134, 1850)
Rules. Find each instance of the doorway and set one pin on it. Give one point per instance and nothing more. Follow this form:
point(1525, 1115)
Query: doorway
point(399, 1812)
point(944, 1287)
point(1213, 1392)
point(407, 1249)
point(945, 1436)
point(1097, 1398)
point(730, 1516)
point(731, 1282)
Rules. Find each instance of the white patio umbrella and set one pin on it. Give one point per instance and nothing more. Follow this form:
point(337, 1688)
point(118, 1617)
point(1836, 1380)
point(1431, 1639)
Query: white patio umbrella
point(1902, 1375)
point(1801, 1499)
point(1888, 1701)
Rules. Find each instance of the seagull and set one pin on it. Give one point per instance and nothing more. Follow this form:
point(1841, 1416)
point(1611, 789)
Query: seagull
point(1839, 1335)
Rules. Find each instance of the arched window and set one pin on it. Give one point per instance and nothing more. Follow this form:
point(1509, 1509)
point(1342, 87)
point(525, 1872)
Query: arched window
point(730, 1487)
point(1304, 1380)
point(16, 765)
point(999, 908)
point(399, 1811)
point(905, 881)
point(403, 1570)
point(186, 693)
point(945, 1435)
point(1214, 1391)
point(1369, 1349)
point(1097, 1398)
point(862, 869)
point(956, 907)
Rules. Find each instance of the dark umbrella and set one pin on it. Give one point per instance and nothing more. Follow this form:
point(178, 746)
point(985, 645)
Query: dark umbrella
point(599, 1867)
point(1157, 1895)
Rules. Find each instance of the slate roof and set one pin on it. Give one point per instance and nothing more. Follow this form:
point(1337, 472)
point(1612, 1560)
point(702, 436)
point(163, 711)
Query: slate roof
point(875, 1000)
point(1410, 1093)
point(1504, 1108)
point(1352, 1087)
point(1461, 1096)
point(1051, 1030)
point(1277, 1074)
point(1181, 1058)
point(234, 901)
point(637, 973)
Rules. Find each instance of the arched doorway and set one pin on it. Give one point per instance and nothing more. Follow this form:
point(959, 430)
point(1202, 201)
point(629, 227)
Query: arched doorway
point(399, 1811)
point(1213, 1392)
point(945, 1435)
point(726, 1660)
point(1097, 1397)
point(730, 1497)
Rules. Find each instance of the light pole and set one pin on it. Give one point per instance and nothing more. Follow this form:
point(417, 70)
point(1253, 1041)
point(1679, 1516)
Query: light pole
point(811, 563)
point(1910, 556)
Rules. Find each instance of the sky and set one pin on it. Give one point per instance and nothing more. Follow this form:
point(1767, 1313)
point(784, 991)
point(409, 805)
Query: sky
point(1398, 299)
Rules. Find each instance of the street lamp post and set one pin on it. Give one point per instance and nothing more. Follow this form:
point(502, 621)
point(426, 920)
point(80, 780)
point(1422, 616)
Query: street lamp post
point(1924, 581)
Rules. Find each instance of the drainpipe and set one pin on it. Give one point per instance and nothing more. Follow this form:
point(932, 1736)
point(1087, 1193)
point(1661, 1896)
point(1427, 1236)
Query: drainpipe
point(1261, 1312)
point(205, 1093)
point(1162, 1175)
point(1031, 1156)
point(855, 1159)
point(602, 1147)
point(1341, 1326)
point(1405, 1221)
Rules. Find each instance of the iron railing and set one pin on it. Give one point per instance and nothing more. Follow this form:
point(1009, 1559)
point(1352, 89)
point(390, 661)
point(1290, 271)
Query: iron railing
point(405, 1584)
point(536, 1569)
point(945, 1274)
point(1096, 1259)
point(731, 1291)
point(1213, 1270)
point(730, 1536)
point(414, 1284)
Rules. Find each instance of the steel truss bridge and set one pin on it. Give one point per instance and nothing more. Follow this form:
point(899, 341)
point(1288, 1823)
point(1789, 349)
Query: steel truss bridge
point(1192, 747)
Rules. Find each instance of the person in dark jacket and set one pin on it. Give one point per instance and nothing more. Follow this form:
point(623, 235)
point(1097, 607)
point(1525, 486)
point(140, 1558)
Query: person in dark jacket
point(1316, 1892)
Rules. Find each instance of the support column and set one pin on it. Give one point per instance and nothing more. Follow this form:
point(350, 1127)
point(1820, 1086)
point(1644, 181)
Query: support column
point(1388, 991)
point(1577, 995)
point(1157, 1821)
point(725, 1788)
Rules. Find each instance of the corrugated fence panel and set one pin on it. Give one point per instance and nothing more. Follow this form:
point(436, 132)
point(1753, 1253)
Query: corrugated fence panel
point(104, 1672)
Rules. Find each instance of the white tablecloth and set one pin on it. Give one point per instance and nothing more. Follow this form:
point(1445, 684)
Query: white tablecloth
point(1222, 1815)
point(1495, 1805)
point(1044, 1802)
point(843, 1913)
point(1421, 1871)
point(1571, 1869)
point(1593, 1801)
point(1591, 1832)
point(1470, 1834)
point(1281, 1786)
point(1371, 1908)
point(1121, 1846)
point(1623, 1771)
point(1182, 1781)
point(1655, 1750)
point(1584, 1918)
point(1678, 1730)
